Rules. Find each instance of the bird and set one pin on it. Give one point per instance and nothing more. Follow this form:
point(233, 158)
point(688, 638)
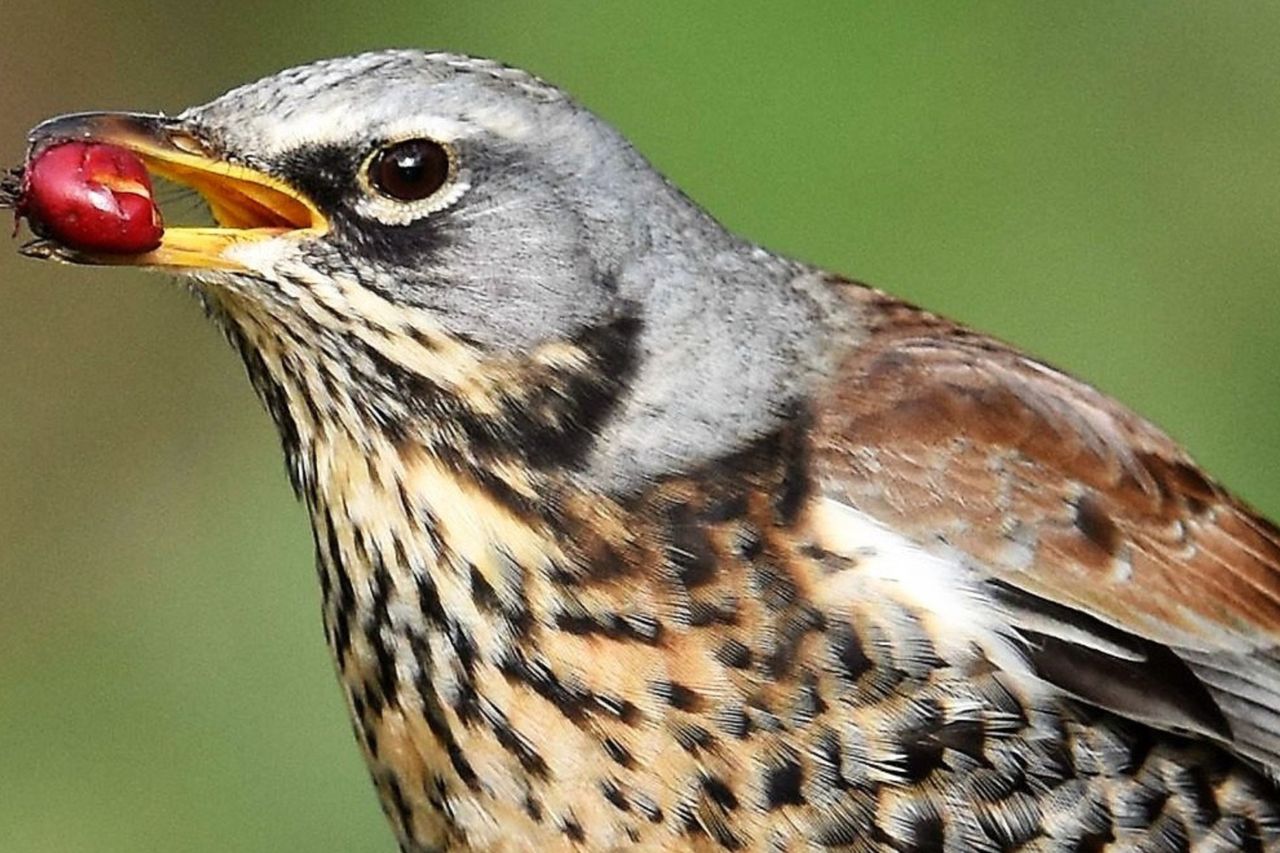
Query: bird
point(634, 535)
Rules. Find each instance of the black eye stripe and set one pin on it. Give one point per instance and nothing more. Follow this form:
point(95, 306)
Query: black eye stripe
point(410, 170)
point(324, 173)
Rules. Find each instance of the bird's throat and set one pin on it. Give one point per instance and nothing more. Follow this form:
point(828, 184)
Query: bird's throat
point(438, 510)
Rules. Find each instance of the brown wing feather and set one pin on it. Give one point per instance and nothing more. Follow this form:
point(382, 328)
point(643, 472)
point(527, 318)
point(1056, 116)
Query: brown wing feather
point(1062, 494)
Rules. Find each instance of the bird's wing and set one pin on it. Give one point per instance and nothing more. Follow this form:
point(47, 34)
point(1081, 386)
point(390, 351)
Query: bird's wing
point(1137, 583)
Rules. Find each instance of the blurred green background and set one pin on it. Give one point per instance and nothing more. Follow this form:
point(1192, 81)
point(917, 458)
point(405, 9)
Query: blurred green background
point(1098, 182)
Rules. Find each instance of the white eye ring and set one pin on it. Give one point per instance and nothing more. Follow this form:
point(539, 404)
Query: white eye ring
point(378, 202)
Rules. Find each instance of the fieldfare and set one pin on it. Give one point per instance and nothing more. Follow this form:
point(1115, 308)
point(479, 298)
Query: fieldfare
point(635, 535)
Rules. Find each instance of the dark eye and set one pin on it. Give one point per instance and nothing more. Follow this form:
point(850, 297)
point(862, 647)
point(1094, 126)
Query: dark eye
point(411, 170)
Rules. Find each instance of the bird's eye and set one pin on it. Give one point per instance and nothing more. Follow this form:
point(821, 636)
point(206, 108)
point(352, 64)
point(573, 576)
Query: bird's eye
point(410, 170)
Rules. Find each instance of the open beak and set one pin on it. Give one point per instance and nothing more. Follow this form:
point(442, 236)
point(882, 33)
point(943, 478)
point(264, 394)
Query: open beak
point(248, 205)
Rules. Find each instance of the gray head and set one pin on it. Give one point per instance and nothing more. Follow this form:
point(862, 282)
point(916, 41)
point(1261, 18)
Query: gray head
point(523, 239)
point(462, 218)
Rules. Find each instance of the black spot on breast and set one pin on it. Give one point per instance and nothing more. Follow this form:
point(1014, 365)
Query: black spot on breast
point(403, 814)
point(676, 695)
point(516, 744)
point(696, 822)
point(601, 560)
point(618, 752)
point(464, 648)
point(847, 653)
point(648, 808)
point(964, 736)
point(732, 719)
point(344, 611)
point(532, 807)
point(719, 792)
point(463, 767)
point(828, 757)
point(579, 623)
point(388, 684)
point(782, 783)
point(466, 703)
point(774, 585)
point(322, 574)
point(692, 737)
point(734, 653)
point(436, 790)
point(482, 591)
point(613, 794)
point(644, 627)
point(571, 828)
point(433, 712)
point(573, 702)
point(849, 821)
point(807, 703)
point(780, 659)
point(381, 586)
point(429, 601)
point(762, 715)
point(927, 833)
point(623, 709)
point(921, 748)
point(1097, 841)
point(724, 611)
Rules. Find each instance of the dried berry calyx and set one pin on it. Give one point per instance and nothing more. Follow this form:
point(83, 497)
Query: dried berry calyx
point(92, 197)
point(10, 187)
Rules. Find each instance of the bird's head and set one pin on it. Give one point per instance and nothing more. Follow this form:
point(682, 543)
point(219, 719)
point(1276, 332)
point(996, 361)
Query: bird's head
point(431, 181)
point(407, 239)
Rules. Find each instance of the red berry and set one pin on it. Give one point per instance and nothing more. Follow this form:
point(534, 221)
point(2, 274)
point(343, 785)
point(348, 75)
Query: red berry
point(93, 197)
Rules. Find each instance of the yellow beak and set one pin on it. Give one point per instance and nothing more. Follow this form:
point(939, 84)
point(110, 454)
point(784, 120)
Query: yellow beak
point(248, 205)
